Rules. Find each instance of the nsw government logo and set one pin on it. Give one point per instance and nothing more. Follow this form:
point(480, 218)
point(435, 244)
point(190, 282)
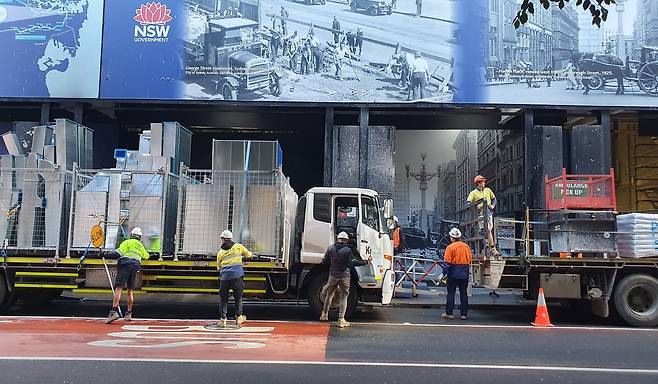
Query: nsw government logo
point(152, 18)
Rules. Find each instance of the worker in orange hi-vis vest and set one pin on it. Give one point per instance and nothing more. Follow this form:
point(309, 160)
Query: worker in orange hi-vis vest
point(399, 241)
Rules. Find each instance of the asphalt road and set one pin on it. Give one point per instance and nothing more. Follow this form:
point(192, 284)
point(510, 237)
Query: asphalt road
point(387, 345)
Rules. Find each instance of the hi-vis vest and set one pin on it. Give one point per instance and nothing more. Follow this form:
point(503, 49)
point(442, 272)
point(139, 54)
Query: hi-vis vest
point(232, 256)
point(133, 249)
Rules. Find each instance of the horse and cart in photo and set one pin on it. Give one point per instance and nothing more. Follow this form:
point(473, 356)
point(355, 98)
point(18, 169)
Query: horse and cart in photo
point(600, 69)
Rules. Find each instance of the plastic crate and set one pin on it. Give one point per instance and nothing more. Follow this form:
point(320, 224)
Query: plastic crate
point(581, 191)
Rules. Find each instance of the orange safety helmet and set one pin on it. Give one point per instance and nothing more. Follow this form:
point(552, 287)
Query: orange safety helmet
point(479, 179)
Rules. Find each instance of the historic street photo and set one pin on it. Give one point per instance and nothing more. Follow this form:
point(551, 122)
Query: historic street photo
point(560, 58)
point(319, 50)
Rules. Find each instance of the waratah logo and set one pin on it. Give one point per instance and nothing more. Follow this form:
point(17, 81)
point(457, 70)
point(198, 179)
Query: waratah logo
point(153, 14)
point(152, 18)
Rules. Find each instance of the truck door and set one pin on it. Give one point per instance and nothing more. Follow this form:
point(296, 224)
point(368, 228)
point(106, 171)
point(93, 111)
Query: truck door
point(369, 231)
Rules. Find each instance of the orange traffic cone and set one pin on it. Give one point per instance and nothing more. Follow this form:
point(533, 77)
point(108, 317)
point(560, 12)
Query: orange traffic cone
point(542, 319)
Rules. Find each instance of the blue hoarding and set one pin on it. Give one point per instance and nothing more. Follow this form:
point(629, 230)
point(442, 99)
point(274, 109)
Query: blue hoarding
point(340, 51)
point(50, 48)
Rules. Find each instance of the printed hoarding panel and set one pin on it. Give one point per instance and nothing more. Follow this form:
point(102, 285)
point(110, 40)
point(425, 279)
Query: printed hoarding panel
point(560, 58)
point(50, 48)
point(278, 50)
point(141, 55)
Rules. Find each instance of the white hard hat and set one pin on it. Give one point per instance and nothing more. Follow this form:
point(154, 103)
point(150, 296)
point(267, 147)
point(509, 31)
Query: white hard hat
point(226, 234)
point(137, 231)
point(343, 235)
point(455, 233)
point(395, 218)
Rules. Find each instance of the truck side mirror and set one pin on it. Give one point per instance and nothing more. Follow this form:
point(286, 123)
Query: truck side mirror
point(388, 208)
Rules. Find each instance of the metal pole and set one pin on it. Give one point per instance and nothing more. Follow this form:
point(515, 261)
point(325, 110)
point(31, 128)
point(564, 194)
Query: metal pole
point(245, 180)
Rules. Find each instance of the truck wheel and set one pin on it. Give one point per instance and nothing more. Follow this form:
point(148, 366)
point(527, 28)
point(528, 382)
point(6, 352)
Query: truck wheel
point(228, 92)
point(353, 6)
point(309, 2)
point(636, 300)
point(323, 2)
point(37, 297)
point(316, 302)
point(372, 11)
point(275, 85)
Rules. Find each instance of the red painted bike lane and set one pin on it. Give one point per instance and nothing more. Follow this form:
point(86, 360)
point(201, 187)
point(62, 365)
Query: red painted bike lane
point(161, 339)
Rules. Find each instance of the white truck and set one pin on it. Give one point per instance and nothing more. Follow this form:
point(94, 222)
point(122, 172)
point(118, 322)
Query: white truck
point(182, 214)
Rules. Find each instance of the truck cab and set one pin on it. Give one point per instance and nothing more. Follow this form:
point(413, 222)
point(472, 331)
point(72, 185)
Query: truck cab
point(325, 212)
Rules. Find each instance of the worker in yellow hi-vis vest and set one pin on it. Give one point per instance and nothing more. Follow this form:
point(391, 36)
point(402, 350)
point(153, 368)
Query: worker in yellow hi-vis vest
point(231, 274)
point(132, 253)
point(485, 200)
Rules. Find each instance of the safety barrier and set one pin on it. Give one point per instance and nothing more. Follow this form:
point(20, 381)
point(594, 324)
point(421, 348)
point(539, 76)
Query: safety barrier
point(417, 270)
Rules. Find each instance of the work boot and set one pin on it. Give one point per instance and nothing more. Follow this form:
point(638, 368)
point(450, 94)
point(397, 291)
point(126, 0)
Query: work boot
point(464, 317)
point(324, 316)
point(447, 317)
point(222, 323)
point(241, 319)
point(114, 315)
point(128, 316)
point(342, 323)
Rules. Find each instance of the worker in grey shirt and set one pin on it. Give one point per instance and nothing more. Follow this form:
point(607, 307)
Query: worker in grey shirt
point(341, 257)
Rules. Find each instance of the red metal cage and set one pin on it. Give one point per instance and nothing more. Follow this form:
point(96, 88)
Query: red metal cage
point(581, 191)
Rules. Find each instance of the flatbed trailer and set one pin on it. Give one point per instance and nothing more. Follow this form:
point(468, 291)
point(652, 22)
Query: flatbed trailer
point(626, 286)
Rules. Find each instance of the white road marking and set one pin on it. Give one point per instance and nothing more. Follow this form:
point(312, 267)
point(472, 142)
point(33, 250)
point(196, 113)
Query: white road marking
point(503, 326)
point(495, 367)
point(5, 321)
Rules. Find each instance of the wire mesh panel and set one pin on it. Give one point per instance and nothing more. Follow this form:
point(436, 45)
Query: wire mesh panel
point(122, 200)
point(35, 205)
point(257, 206)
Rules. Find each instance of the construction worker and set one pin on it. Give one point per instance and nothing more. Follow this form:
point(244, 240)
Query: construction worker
point(131, 252)
point(482, 195)
point(341, 257)
point(339, 56)
point(335, 26)
point(420, 74)
point(458, 259)
point(399, 241)
point(231, 273)
point(284, 20)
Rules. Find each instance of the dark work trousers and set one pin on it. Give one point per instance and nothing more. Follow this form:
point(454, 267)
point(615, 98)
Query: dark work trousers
point(237, 285)
point(452, 286)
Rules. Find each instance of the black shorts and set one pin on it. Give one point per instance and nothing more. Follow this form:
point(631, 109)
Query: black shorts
point(127, 269)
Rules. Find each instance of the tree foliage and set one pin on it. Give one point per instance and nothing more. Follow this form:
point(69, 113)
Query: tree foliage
point(597, 8)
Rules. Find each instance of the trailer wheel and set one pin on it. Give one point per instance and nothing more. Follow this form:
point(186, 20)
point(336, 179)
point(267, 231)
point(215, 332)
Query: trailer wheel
point(636, 300)
point(316, 302)
point(372, 11)
point(37, 297)
point(353, 7)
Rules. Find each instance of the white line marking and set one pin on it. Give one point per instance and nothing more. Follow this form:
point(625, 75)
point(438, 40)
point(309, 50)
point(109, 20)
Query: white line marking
point(406, 324)
point(502, 326)
point(353, 364)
